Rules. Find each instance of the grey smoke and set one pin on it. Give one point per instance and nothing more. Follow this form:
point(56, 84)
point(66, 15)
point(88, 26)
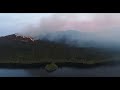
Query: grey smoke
point(102, 31)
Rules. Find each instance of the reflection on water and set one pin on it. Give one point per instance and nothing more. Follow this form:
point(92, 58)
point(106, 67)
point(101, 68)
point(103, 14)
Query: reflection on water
point(103, 71)
point(78, 72)
point(13, 73)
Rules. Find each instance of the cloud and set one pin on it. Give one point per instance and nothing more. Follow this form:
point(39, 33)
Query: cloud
point(35, 23)
point(75, 21)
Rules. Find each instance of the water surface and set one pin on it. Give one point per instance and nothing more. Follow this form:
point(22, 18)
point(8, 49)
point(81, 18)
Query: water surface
point(112, 70)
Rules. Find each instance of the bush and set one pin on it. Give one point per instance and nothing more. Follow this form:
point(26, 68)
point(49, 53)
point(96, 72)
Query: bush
point(51, 67)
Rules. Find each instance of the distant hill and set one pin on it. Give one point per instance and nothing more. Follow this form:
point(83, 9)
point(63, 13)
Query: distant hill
point(102, 39)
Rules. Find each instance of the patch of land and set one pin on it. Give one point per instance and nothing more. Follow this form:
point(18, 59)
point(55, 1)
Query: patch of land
point(41, 52)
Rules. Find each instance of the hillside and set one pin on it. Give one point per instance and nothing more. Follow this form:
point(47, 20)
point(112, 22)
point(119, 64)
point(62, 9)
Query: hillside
point(19, 49)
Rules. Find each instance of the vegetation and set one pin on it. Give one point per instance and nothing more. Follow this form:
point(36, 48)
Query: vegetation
point(51, 67)
point(42, 51)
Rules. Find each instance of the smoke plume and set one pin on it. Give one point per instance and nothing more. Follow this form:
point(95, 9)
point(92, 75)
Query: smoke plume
point(102, 29)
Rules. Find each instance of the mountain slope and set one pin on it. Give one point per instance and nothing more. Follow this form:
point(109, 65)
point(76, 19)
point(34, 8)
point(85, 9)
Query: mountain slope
point(23, 49)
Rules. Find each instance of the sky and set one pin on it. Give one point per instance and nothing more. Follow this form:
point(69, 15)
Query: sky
point(15, 22)
point(33, 22)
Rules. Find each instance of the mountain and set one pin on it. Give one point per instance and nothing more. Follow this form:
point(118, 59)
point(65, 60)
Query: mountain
point(107, 39)
point(15, 48)
point(15, 37)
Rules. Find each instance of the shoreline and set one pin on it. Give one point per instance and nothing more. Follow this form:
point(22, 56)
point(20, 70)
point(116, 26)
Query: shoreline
point(42, 65)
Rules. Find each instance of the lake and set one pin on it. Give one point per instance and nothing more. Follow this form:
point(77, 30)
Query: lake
point(110, 70)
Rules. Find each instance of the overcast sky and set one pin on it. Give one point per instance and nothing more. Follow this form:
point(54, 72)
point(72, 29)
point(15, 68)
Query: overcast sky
point(16, 22)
